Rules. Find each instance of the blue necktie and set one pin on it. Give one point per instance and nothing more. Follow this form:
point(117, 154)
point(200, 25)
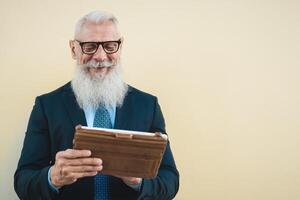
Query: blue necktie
point(102, 120)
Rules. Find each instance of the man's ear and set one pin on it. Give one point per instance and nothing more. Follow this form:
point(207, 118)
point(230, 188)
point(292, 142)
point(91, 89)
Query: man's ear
point(72, 48)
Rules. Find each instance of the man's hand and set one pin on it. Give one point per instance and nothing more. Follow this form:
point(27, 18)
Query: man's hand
point(71, 165)
point(131, 181)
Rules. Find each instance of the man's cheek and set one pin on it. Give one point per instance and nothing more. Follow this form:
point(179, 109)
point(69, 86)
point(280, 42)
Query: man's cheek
point(83, 60)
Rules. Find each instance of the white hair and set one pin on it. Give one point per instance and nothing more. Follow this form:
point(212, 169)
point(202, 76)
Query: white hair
point(97, 17)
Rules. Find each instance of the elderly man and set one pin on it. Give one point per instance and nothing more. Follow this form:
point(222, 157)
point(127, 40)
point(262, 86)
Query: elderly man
point(96, 97)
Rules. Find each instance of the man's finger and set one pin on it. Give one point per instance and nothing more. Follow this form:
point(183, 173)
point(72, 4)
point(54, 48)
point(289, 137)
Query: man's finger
point(77, 175)
point(82, 161)
point(79, 169)
point(73, 153)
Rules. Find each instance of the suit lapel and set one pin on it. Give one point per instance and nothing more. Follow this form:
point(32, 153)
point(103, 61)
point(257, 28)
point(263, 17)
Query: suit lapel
point(75, 112)
point(124, 119)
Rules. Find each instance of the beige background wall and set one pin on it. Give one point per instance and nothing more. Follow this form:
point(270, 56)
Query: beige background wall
point(226, 74)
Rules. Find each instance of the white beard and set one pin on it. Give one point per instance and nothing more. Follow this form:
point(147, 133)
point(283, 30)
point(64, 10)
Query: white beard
point(100, 90)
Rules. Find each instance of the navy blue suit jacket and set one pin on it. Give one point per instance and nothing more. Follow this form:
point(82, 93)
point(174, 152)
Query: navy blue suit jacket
point(51, 129)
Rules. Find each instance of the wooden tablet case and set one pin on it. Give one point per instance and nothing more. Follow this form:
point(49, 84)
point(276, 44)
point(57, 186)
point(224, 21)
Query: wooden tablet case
point(124, 153)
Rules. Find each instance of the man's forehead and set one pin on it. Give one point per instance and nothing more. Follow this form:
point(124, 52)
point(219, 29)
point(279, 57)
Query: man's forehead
point(103, 31)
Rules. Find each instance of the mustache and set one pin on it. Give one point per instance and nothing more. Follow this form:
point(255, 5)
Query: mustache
point(95, 64)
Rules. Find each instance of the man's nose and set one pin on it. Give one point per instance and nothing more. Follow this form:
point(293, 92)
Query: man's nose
point(100, 54)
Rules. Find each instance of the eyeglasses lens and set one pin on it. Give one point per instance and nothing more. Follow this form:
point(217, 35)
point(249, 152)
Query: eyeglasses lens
point(89, 47)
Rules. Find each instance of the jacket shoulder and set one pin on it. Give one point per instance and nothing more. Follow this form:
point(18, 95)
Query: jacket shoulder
point(140, 94)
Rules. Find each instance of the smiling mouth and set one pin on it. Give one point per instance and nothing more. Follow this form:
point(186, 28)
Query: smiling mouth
point(96, 70)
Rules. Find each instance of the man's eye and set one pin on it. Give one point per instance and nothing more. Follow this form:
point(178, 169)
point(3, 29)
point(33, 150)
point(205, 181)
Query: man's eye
point(110, 46)
point(89, 47)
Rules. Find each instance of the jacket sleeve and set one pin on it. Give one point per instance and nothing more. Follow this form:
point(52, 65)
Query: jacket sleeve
point(166, 184)
point(31, 176)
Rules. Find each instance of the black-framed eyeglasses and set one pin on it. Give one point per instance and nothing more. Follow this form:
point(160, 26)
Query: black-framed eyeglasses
point(109, 47)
